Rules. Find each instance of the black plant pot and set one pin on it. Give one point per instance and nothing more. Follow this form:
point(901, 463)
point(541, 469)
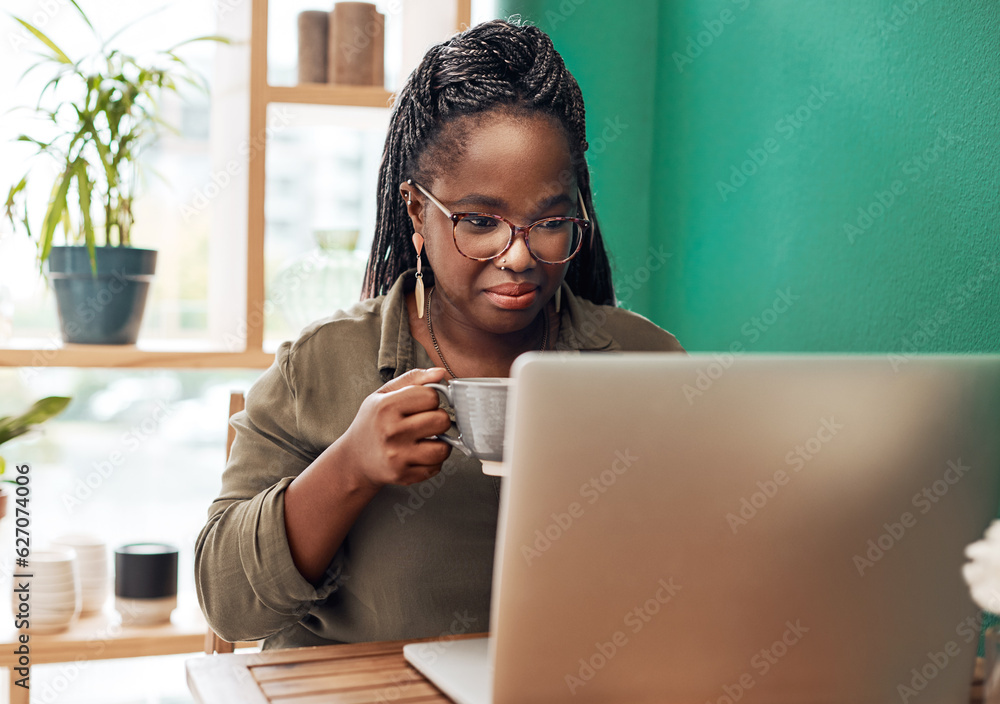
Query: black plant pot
point(106, 309)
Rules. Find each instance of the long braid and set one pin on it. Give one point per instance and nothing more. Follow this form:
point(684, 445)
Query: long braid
point(495, 65)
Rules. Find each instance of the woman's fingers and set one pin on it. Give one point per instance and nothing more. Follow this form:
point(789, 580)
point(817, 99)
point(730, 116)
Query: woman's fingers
point(414, 377)
point(430, 453)
point(424, 425)
point(411, 400)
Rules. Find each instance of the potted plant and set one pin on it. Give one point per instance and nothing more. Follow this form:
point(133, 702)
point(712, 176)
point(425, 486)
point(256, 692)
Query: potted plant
point(97, 138)
point(15, 426)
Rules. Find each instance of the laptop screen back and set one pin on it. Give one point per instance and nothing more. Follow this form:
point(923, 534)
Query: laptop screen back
point(785, 529)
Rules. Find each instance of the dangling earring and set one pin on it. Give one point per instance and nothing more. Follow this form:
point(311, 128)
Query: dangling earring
point(418, 244)
point(558, 298)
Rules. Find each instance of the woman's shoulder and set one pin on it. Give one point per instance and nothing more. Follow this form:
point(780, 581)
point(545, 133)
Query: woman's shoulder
point(356, 329)
point(621, 328)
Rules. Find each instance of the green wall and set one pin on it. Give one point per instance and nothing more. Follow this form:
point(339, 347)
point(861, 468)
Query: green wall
point(829, 109)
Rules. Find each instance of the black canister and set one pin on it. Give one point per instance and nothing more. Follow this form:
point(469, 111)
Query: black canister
point(146, 582)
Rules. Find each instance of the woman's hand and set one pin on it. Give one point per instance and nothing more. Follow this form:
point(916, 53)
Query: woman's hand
point(387, 443)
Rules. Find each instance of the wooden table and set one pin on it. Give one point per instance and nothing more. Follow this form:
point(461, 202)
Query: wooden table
point(362, 673)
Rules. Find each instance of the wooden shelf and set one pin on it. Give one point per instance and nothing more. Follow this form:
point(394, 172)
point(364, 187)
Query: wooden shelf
point(130, 356)
point(323, 94)
point(102, 636)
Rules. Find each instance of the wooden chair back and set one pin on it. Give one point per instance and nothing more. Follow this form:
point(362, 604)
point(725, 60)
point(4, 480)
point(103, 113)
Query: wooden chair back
point(213, 642)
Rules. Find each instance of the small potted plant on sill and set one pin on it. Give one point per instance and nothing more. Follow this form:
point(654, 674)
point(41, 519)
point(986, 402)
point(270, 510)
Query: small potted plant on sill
point(97, 139)
point(15, 426)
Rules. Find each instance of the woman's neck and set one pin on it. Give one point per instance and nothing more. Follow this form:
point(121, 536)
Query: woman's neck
point(471, 352)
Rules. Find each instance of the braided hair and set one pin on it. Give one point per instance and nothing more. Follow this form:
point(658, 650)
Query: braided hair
point(496, 66)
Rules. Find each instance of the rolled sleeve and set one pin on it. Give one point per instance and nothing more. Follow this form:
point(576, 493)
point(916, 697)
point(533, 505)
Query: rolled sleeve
point(248, 584)
point(267, 559)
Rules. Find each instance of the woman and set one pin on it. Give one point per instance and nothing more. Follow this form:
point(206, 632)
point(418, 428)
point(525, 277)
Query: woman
point(339, 519)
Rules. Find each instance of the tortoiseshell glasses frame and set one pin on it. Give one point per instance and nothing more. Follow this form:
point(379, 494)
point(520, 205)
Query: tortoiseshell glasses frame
point(582, 224)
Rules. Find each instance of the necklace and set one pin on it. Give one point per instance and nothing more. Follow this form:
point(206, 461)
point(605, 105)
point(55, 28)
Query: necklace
point(437, 347)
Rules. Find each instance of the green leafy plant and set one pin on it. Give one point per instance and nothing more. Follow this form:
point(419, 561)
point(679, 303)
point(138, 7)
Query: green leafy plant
point(15, 426)
point(97, 137)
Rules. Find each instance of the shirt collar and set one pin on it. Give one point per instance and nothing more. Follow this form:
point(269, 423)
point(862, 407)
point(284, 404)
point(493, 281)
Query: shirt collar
point(395, 350)
point(583, 325)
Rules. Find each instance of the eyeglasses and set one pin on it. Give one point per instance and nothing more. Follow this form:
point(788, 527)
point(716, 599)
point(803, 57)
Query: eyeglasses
point(484, 236)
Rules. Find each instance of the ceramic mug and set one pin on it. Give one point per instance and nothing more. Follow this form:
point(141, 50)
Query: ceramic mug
point(480, 413)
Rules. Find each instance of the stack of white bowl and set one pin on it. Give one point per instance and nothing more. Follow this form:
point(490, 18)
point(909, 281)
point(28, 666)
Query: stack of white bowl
point(53, 591)
point(92, 563)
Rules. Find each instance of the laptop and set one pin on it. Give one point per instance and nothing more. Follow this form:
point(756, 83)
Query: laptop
point(765, 529)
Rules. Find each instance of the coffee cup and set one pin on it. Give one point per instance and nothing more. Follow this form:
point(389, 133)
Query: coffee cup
point(480, 413)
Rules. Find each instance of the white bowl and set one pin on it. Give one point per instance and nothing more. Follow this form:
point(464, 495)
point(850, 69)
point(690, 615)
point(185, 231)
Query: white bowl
point(49, 616)
point(44, 593)
point(47, 586)
point(53, 576)
point(80, 540)
point(48, 569)
point(92, 559)
point(93, 575)
point(49, 623)
point(53, 614)
point(39, 600)
point(52, 556)
point(45, 629)
point(94, 605)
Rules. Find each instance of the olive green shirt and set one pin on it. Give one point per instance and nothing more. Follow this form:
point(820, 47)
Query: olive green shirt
point(419, 560)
